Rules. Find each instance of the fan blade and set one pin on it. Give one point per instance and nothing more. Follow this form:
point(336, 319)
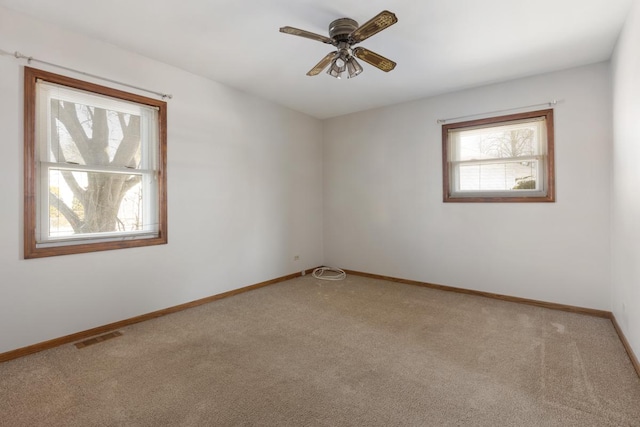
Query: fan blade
point(373, 26)
point(374, 59)
point(322, 64)
point(306, 34)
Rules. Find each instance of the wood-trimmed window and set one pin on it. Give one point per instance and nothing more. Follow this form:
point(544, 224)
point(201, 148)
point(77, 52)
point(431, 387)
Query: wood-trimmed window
point(500, 159)
point(94, 167)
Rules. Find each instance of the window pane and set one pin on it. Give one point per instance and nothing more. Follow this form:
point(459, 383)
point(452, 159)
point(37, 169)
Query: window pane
point(499, 176)
point(89, 135)
point(95, 202)
point(498, 142)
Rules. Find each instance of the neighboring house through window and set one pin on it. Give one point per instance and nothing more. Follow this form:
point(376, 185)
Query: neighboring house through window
point(95, 167)
point(500, 159)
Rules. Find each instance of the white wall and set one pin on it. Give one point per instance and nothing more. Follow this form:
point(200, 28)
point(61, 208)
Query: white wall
point(626, 181)
point(383, 209)
point(244, 177)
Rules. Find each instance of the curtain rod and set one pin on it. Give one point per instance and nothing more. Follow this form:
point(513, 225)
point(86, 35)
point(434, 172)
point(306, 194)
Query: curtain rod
point(31, 59)
point(544, 104)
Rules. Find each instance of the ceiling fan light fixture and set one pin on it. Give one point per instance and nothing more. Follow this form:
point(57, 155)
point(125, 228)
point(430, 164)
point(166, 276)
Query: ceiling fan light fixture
point(353, 67)
point(337, 67)
point(333, 73)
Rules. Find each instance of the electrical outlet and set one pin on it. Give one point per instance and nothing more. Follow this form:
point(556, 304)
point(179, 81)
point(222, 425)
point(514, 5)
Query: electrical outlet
point(296, 258)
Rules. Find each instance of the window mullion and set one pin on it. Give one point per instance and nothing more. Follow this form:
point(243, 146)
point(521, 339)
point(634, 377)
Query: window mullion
point(87, 168)
point(495, 160)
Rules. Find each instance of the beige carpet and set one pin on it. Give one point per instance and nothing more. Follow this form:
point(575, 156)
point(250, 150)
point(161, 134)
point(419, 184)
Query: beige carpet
point(360, 352)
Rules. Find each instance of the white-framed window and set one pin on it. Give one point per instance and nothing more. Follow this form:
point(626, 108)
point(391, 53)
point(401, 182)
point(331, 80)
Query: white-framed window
point(500, 159)
point(95, 161)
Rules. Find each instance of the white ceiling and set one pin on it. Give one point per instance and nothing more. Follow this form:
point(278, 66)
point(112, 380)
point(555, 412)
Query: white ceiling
point(439, 45)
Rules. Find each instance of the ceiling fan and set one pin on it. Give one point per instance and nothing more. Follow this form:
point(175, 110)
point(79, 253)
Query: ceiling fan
point(343, 34)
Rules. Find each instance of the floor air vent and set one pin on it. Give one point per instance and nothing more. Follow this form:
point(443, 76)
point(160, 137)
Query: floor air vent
point(96, 340)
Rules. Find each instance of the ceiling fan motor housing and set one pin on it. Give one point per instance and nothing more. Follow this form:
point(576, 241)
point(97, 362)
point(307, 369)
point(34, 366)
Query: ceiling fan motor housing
point(340, 29)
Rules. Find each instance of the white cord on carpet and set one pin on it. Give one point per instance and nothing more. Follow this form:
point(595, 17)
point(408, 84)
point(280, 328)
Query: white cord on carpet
point(318, 273)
